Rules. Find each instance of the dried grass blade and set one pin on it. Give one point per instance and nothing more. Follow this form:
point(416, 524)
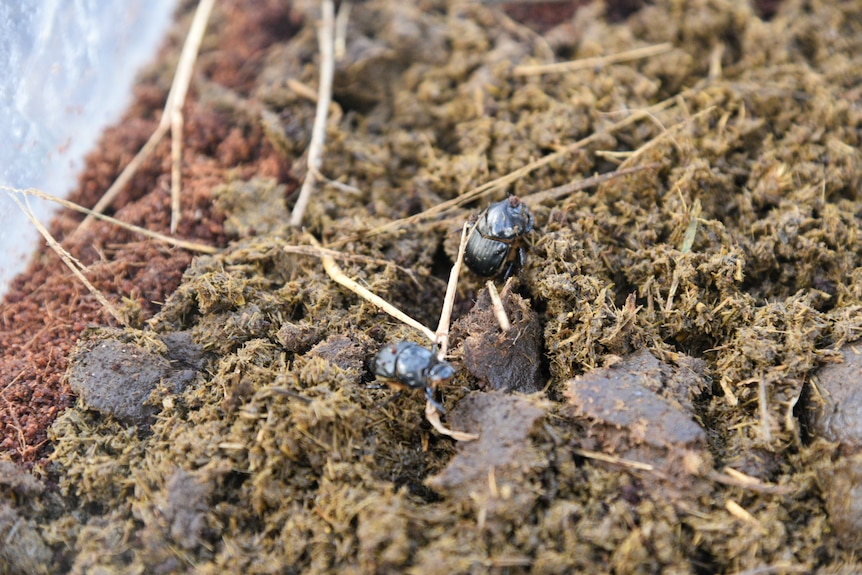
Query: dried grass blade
point(72, 263)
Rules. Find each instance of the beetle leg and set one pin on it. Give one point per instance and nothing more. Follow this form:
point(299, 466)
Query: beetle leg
point(510, 269)
point(390, 399)
point(429, 395)
point(517, 263)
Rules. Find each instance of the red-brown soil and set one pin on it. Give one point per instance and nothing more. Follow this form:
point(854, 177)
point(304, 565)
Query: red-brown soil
point(46, 309)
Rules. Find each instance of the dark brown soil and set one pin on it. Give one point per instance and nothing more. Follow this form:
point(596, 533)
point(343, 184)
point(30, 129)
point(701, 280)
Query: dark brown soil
point(687, 330)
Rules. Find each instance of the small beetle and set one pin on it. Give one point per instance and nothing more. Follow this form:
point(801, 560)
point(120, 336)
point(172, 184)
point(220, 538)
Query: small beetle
point(411, 365)
point(497, 243)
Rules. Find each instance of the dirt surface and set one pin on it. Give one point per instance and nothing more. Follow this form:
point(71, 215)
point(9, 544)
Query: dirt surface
point(687, 330)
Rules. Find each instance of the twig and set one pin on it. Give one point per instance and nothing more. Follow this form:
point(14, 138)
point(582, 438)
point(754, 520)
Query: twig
point(125, 176)
point(186, 245)
point(341, 19)
point(599, 456)
point(176, 166)
point(497, 307)
point(715, 61)
point(284, 391)
point(72, 263)
point(572, 65)
point(729, 396)
point(691, 229)
point(442, 334)
point(572, 187)
point(433, 417)
point(763, 403)
point(780, 567)
point(736, 478)
point(302, 90)
point(324, 97)
point(666, 133)
point(674, 285)
point(336, 255)
point(315, 252)
point(176, 97)
point(741, 512)
point(511, 177)
point(337, 275)
point(341, 186)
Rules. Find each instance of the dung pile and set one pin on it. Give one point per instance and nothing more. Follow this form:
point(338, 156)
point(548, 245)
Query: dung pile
point(708, 289)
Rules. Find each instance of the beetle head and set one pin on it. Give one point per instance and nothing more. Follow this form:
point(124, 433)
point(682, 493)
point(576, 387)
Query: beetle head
point(440, 372)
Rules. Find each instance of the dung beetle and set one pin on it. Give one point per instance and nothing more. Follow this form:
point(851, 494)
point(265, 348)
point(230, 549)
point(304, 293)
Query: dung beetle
point(497, 242)
point(410, 365)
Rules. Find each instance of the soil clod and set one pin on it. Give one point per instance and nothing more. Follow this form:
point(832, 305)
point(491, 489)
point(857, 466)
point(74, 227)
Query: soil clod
point(502, 455)
point(631, 405)
point(510, 361)
point(117, 378)
point(834, 402)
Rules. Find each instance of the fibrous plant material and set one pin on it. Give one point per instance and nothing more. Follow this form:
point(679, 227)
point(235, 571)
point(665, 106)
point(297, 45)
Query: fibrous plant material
point(684, 313)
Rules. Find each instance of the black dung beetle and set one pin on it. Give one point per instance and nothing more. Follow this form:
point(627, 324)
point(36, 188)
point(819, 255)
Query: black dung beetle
point(497, 244)
point(411, 365)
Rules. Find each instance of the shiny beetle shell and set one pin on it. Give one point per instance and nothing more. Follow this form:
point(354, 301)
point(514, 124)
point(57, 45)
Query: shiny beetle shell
point(413, 366)
point(496, 245)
